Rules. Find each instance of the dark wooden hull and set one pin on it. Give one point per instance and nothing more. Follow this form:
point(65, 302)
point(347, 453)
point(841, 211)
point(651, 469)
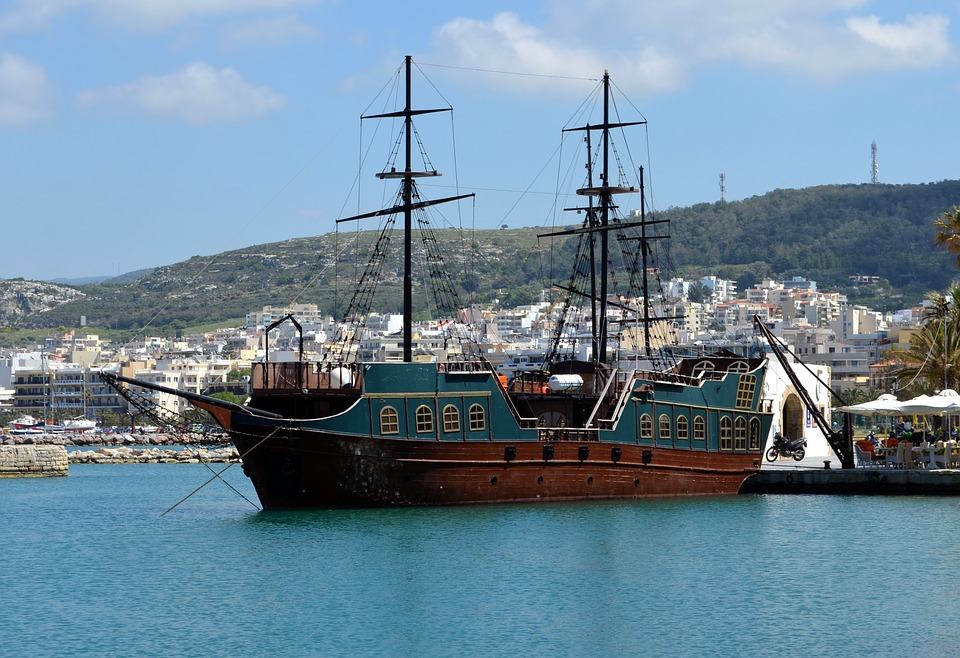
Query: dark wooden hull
point(306, 469)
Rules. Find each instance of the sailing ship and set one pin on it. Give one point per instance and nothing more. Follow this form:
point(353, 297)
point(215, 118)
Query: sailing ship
point(451, 431)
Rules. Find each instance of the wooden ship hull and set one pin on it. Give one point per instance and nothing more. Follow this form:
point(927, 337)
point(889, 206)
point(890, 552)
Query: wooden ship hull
point(458, 438)
point(294, 471)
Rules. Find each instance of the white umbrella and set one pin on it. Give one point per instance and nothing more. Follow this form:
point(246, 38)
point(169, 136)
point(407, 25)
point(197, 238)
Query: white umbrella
point(885, 405)
point(946, 401)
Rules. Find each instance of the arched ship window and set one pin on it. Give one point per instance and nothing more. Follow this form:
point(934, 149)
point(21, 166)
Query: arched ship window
point(702, 369)
point(740, 433)
point(664, 426)
point(646, 426)
point(739, 366)
point(755, 434)
point(683, 432)
point(699, 428)
point(478, 419)
point(389, 421)
point(726, 433)
point(424, 418)
point(451, 418)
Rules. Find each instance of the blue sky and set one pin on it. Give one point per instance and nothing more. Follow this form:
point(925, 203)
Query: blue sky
point(136, 133)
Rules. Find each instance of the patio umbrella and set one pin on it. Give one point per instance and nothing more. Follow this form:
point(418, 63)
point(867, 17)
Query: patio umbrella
point(946, 401)
point(885, 405)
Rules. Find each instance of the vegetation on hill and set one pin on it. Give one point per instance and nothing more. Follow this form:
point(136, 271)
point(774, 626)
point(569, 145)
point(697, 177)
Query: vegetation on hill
point(826, 233)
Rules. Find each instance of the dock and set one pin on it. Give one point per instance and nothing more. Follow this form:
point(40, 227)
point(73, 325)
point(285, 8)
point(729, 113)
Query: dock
point(33, 461)
point(868, 481)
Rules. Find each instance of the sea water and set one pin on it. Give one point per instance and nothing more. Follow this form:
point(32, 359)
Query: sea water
point(90, 567)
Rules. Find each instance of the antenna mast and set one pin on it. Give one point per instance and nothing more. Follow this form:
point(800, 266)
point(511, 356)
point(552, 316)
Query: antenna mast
point(723, 187)
point(874, 165)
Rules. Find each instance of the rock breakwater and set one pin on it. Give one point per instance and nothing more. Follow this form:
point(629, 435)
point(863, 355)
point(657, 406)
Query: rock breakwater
point(116, 439)
point(128, 455)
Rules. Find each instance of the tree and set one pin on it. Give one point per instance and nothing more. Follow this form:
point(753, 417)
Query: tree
point(699, 292)
point(948, 232)
point(227, 396)
point(921, 367)
point(237, 374)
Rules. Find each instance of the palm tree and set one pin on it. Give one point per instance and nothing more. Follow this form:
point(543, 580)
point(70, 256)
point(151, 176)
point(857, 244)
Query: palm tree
point(921, 366)
point(948, 231)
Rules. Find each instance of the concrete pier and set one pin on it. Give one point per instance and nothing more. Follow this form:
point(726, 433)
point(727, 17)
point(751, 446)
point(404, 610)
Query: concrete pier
point(872, 481)
point(33, 461)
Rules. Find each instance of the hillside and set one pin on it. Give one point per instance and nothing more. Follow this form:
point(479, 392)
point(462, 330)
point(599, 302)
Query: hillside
point(826, 233)
point(21, 299)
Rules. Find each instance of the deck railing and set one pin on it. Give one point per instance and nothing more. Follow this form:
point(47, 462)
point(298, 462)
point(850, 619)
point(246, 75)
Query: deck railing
point(297, 376)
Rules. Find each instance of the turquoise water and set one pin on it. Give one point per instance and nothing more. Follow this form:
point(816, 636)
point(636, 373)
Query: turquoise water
point(90, 568)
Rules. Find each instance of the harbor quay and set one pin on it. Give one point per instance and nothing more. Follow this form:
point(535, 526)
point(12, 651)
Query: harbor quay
point(33, 461)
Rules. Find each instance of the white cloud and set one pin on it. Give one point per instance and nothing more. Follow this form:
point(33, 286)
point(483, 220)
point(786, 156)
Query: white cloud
point(270, 31)
point(507, 43)
point(918, 42)
point(197, 94)
point(25, 94)
point(26, 14)
point(651, 46)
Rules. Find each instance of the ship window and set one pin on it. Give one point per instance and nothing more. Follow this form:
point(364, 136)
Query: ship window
point(740, 433)
point(745, 391)
point(703, 369)
point(726, 433)
point(389, 422)
point(477, 418)
point(664, 426)
point(646, 426)
point(451, 419)
point(755, 434)
point(739, 366)
point(699, 428)
point(424, 419)
point(682, 428)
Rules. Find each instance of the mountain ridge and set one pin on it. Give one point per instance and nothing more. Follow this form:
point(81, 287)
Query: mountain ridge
point(826, 233)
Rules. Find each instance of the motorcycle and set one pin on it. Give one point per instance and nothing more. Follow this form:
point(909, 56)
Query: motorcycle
point(787, 447)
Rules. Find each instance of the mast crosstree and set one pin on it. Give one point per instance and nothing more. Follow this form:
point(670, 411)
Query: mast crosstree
point(599, 222)
point(410, 201)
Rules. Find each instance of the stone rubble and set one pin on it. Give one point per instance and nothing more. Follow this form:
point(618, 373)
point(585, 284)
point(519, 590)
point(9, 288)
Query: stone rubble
point(128, 455)
point(120, 439)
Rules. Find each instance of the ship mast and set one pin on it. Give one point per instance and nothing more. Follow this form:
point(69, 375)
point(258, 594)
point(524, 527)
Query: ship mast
point(409, 191)
point(605, 193)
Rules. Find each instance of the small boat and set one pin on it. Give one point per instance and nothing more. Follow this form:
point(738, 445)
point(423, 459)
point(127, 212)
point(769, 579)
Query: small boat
point(79, 424)
point(27, 422)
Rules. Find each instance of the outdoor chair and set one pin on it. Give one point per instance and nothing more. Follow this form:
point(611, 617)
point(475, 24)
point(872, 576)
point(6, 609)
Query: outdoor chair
point(891, 457)
point(904, 454)
point(941, 457)
point(864, 456)
point(950, 454)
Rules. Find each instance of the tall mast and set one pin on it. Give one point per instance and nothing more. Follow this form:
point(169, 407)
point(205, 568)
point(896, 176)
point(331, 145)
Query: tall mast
point(407, 229)
point(604, 220)
point(408, 176)
point(643, 256)
point(591, 221)
point(605, 192)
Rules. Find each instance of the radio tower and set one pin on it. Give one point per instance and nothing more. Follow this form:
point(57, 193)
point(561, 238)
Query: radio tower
point(723, 186)
point(874, 165)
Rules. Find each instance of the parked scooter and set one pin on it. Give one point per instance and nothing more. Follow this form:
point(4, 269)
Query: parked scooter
point(787, 447)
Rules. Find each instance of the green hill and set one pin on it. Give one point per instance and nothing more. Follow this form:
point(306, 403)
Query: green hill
point(826, 233)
